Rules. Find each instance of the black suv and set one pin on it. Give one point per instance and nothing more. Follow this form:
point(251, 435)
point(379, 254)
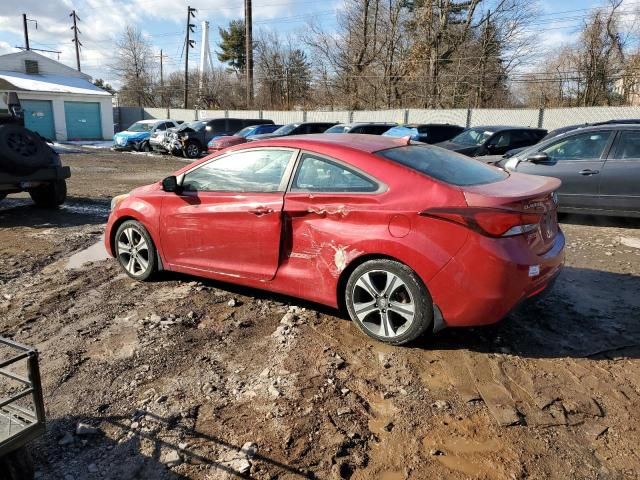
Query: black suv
point(27, 163)
point(192, 138)
point(493, 140)
point(301, 128)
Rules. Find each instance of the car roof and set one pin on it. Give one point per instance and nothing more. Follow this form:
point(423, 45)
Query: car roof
point(498, 128)
point(418, 125)
point(364, 143)
point(359, 124)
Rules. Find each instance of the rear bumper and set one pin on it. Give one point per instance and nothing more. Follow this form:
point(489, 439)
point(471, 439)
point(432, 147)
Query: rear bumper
point(17, 183)
point(488, 278)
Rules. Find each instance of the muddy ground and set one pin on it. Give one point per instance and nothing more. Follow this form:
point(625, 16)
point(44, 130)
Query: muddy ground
point(185, 378)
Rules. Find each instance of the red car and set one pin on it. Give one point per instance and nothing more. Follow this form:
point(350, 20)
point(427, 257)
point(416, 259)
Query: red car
point(408, 237)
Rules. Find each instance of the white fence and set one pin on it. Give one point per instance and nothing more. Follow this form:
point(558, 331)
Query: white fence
point(548, 118)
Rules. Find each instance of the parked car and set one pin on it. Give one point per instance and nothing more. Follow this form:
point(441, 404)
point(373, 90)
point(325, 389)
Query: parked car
point(427, 132)
point(493, 140)
point(192, 139)
point(137, 136)
point(561, 130)
point(599, 168)
point(398, 233)
point(303, 128)
point(158, 138)
point(224, 141)
point(373, 128)
point(27, 162)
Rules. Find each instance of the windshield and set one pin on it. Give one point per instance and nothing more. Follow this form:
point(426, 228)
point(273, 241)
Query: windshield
point(473, 136)
point(401, 131)
point(245, 131)
point(285, 129)
point(140, 127)
point(444, 165)
point(338, 129)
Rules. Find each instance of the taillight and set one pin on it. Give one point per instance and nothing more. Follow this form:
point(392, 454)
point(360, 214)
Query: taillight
point(491, 222)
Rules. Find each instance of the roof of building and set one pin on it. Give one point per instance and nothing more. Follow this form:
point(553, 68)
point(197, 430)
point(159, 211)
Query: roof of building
point(48, 83)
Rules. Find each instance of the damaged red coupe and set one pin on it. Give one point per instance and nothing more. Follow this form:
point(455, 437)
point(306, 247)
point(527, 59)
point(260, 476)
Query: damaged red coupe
point(409, 238)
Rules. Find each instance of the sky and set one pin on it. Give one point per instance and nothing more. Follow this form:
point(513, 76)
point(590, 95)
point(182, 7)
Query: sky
point(163, 23)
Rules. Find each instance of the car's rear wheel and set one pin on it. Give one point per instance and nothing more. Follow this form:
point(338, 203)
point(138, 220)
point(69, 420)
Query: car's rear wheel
point(50, 195)
point(135, 250)
point(388, 301)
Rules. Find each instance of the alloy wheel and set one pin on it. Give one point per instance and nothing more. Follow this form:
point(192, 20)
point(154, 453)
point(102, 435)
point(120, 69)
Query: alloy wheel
point(383, 303)
point(133, 251)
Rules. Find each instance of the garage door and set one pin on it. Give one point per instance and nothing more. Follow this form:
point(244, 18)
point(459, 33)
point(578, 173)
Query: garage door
point(83, 120)
point(38, 117)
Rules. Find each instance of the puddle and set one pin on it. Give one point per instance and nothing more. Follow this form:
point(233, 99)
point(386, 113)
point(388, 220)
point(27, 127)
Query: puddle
point(383, 411)
point(95, 253)
point(95, 209)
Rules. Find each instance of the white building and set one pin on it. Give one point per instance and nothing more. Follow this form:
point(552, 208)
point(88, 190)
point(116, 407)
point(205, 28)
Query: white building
point(59, 102)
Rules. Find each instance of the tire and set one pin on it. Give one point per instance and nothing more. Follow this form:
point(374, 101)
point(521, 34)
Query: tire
point(386, 289)
point(51, 195)
point(16, 465)
point(23, 151)
point(140, 262)
point(145, 147)
point(192, 150)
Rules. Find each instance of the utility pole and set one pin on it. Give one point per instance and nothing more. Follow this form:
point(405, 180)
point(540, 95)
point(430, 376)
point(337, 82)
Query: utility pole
point(76, 31)
point(188, 44)
point(26, 31)
point(161, 80)
point(483, 60)
point(248, 28)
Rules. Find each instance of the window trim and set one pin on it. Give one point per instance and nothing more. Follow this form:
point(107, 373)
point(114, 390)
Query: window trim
point(605, 151)
point(382, 187)
point(284, 182)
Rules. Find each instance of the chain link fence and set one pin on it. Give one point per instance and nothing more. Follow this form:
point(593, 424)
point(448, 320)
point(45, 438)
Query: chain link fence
point(548, 118)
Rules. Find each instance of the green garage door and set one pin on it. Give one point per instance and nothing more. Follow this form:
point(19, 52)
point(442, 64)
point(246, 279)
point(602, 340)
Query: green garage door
point(83, 120)
point(38, 117)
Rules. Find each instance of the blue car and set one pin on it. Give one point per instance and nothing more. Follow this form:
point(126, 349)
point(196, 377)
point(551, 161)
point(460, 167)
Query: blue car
point(425, 132)
point(136, 137)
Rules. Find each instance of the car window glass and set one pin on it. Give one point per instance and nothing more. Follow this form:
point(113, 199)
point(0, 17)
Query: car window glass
point(376, 129)
point(588, 145)
point(628, 145)
point(246, 171)
point(217, 125)
point(501, 140)
point(444, 165)
point(161, 126)
point(317, 174)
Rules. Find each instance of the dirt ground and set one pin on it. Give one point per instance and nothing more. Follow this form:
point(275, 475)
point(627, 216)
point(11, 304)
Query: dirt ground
point(185, 378)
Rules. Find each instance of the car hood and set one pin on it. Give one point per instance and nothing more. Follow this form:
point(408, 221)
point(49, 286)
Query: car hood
point(132, 135)
point(456, 147)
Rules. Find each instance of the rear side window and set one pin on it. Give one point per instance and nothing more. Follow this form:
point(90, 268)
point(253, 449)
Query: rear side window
point(444, 165)
point(375, 129)
point(628, 145)
point(317, 174)
point(217, 125)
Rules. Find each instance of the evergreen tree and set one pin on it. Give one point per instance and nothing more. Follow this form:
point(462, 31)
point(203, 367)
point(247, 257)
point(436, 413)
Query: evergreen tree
point(232, 46)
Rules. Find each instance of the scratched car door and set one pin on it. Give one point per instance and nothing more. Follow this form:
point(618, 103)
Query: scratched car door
point(227, 218)
point(328, 204)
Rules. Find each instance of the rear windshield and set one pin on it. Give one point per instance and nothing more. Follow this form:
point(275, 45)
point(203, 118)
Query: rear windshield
point(444, 165)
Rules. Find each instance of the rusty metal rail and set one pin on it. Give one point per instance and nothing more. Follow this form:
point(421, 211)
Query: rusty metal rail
point(18, 424)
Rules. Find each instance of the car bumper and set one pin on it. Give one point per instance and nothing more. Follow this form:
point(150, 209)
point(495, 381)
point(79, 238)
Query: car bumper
point(17, 183)
point(488, 278)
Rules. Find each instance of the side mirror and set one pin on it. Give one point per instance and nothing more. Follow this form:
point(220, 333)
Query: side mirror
point(170, 184)
point(539, 157)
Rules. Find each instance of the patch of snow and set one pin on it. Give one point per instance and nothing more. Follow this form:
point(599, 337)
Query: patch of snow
point(51, 83)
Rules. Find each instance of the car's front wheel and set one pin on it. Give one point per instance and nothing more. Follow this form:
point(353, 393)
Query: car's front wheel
point(387, 300)
point(192, 150)
point(135, 250)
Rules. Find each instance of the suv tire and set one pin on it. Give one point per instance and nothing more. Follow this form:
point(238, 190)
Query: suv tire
point(51, 195)
point(192, 150)
point(23, 151)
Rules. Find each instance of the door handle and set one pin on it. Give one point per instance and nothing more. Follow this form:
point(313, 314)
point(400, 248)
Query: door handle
point(261, 210)
point(588, 171)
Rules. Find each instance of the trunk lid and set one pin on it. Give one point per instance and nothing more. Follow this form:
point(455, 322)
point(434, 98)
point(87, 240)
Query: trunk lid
point(529, 194)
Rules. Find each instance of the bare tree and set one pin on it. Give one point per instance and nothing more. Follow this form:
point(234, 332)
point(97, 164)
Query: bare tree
point(134, 64)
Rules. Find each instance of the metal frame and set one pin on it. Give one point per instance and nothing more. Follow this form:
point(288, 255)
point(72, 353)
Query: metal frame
point(33, 420)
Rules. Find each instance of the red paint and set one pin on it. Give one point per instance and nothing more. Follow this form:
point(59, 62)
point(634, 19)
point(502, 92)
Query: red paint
point(225, 142)
point(303, 248)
